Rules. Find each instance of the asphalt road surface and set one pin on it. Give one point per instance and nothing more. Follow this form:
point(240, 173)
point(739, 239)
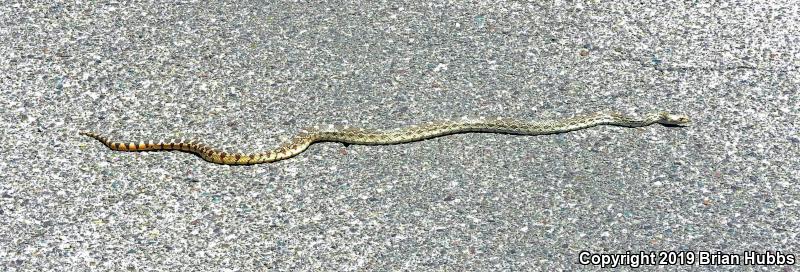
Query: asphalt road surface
point(249, 75)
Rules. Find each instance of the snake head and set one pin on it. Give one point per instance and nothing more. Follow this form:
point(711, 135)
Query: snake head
point(674, 119)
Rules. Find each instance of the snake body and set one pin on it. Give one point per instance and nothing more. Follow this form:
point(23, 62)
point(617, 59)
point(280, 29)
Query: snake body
point(346, 135)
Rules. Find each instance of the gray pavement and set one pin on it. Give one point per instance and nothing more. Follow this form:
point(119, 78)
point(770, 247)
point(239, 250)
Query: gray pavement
point(251, 74)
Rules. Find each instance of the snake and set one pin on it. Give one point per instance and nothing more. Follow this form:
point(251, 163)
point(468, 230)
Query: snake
point(349, 135)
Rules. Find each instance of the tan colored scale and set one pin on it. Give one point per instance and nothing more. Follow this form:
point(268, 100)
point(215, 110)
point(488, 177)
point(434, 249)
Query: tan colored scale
point(349, 135)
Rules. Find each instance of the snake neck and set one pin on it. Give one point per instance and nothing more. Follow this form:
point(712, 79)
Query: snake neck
point(618, 119)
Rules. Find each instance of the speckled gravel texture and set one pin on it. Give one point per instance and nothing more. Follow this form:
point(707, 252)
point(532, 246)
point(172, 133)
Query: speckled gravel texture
point(250, 75)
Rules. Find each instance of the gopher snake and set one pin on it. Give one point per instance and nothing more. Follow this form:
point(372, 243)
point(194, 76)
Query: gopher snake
point(396, 136)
